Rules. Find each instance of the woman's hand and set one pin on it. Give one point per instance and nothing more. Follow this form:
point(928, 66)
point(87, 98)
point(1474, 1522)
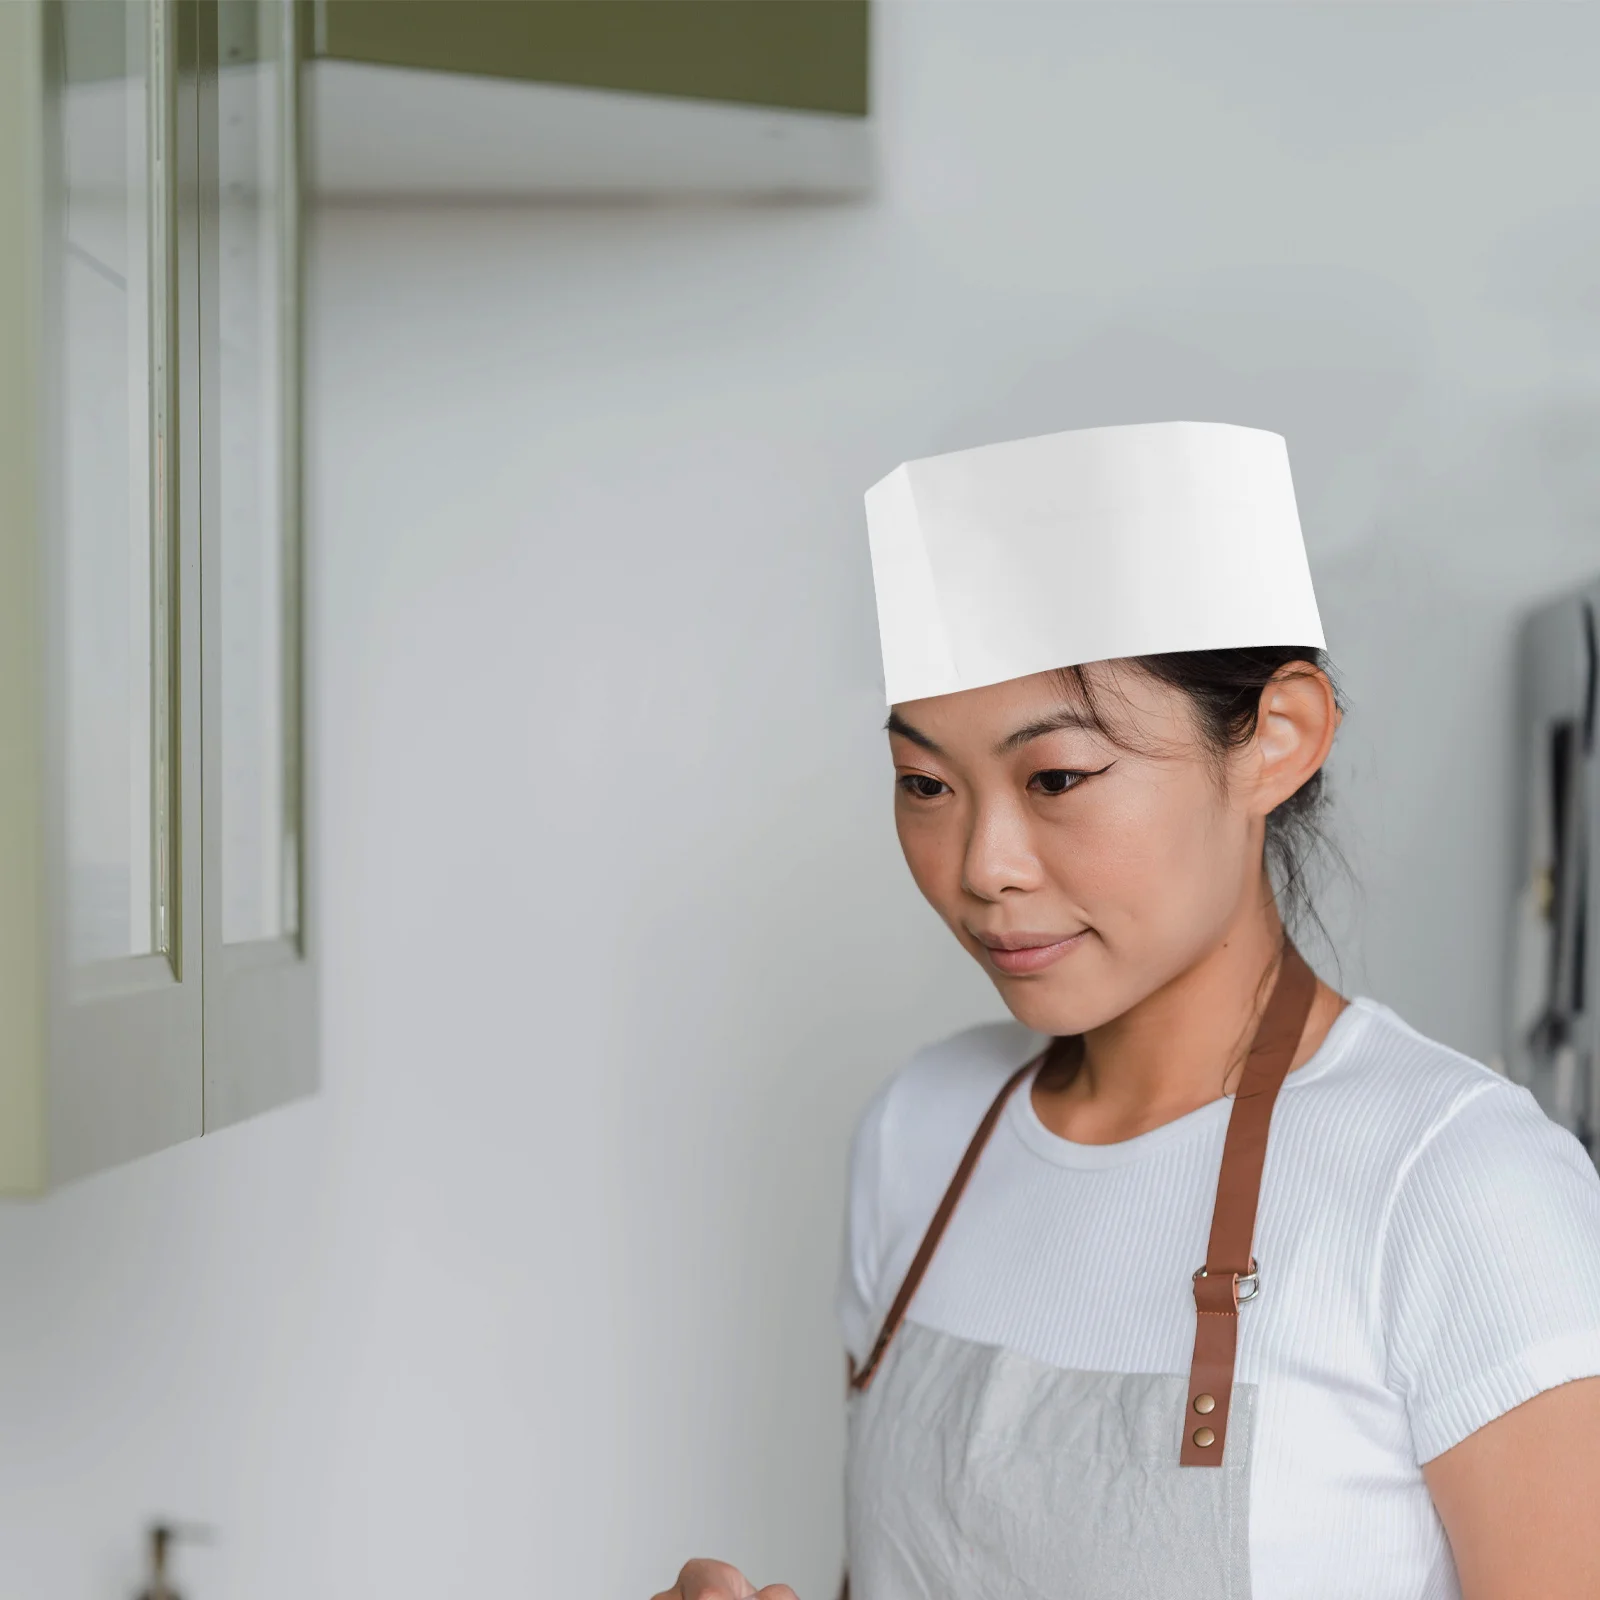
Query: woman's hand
point(716, 1580)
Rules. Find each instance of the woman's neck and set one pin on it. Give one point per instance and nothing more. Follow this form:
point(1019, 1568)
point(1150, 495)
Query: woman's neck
point(1182, 1046)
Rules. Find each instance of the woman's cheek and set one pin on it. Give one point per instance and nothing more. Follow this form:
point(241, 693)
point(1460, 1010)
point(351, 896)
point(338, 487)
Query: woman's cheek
point(930, 854)
point(1106, 849)
point(1142, 858)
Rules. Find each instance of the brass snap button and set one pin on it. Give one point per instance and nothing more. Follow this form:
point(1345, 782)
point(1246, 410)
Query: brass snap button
point(1205, 1404)
point(1204, 1437)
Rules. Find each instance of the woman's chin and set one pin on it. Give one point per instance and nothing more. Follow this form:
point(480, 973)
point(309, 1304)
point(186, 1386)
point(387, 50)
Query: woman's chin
point(1056, 1009)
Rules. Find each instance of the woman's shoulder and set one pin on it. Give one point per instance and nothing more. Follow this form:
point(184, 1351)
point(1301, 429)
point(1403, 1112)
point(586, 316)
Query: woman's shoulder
point(971, 1063)
point(1433, 1134)
point(911, 1133)
point(926, 1112)
point(1487, 1241)
point(908, 1141)
point(1388, 1073)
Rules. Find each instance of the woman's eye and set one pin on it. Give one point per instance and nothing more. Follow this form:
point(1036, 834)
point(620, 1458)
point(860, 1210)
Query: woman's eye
point(1057, 780)
point(920, 786)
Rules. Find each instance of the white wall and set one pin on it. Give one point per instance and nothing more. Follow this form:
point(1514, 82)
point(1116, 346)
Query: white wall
point(533, 1300)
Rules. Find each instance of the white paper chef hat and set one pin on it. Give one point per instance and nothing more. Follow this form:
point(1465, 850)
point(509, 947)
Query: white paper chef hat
point(1017, 558)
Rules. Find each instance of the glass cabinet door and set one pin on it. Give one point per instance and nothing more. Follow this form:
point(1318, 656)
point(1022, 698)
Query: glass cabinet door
point(259, 1004)
point(123, 813)
point(177, 994)
point(117, 503)
point(258, 507)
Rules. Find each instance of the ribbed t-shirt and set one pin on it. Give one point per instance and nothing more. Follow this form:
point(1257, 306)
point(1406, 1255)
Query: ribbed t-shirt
point(1429, 1252)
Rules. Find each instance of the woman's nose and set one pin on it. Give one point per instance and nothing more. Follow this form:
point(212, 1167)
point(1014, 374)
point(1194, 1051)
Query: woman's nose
point(1000, 854)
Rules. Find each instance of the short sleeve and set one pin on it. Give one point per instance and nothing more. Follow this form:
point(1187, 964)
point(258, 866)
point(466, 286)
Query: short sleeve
point(1490, 1271)
point(861, 1258)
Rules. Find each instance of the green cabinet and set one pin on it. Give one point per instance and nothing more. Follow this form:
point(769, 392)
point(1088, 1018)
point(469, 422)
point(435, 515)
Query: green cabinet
point(798, 55)
point(155, 972)
point(623, 99)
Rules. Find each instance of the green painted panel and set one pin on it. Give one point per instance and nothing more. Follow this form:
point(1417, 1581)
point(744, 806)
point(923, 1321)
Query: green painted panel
point(99, 40)
point(804, 55)
point(22, 1015)
point(94, 40)
point(238, 32)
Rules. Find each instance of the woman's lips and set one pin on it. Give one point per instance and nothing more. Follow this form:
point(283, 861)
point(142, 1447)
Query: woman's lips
point(1020, 955)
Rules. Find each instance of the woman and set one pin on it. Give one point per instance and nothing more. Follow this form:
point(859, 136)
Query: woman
point(1110, 715)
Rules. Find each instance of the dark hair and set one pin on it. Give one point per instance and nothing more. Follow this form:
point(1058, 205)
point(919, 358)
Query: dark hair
point(1225, 688)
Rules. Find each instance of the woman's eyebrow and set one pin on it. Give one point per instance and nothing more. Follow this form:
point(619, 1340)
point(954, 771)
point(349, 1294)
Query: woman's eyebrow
point(898, 724)
point(1066, 719)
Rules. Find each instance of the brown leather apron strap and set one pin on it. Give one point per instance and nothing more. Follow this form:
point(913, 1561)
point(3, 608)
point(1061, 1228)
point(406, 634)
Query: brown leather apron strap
point(941, 1219)
point(1229, 1275)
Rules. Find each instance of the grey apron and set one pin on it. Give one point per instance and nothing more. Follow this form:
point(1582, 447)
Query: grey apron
point(976, 1473)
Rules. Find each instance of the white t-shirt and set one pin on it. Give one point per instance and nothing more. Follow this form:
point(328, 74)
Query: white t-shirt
point(1429, 1249)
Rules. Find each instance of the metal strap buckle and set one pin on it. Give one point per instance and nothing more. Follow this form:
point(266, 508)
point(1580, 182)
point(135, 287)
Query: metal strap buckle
point(1249, 1285)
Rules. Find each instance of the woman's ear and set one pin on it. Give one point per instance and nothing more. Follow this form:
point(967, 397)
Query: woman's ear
point(1294, 733)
